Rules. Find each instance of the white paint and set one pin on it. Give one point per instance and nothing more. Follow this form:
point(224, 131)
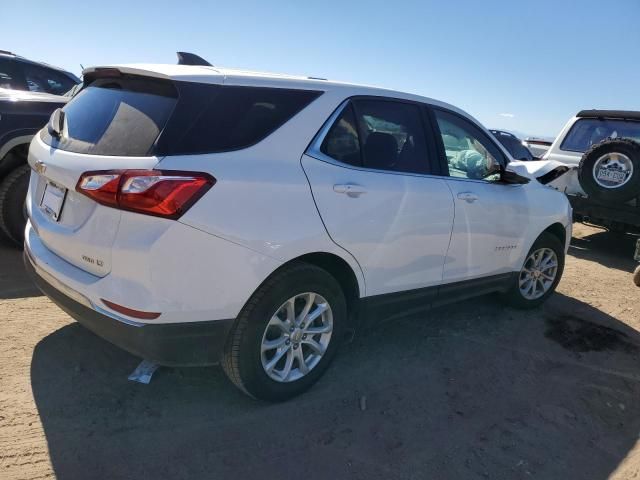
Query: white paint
point(272, 204)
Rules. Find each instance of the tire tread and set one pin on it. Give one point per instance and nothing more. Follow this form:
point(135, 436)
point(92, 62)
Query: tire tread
point(6, 187)
point(231, 356)
point(585, 174)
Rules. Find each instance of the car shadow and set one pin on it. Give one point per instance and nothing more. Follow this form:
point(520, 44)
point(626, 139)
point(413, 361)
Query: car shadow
point(472, 390)
point(14, 281)
point(613, 250)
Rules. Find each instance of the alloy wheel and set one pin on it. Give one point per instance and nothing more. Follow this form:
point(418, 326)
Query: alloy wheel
point(296, 337)
point(538, 273)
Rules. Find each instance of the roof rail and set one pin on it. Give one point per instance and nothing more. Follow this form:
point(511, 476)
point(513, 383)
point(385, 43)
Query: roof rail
point(621, 114)
point(186, 58)
point(7, 52)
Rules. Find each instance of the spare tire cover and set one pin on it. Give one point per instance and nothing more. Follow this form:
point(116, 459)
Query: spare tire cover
point(610, 170)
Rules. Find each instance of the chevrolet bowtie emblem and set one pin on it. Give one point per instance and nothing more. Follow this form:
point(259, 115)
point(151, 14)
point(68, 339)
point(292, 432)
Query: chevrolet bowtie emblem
point(40, 167)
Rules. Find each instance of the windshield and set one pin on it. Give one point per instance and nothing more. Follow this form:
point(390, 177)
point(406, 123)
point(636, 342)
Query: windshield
point(589, 131)
point(513, 145)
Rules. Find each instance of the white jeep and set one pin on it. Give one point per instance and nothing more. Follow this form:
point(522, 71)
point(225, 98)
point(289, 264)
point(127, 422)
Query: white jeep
point(601, 149)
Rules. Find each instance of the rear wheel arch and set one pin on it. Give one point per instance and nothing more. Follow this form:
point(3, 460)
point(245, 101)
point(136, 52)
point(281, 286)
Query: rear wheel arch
point(14, 181)
point(340, 270)
point(14, 157)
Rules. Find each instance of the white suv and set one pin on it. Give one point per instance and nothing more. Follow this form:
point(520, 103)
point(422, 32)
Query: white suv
point(195, 215)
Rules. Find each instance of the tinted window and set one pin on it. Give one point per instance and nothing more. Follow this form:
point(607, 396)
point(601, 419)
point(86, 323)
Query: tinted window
point(342, 142)
point(121, 116)
point(41, 79)
point(470, 153)
point(10, 76)
point(513, 145)
point(589, 131)
point(392, 136)
point(237, 117)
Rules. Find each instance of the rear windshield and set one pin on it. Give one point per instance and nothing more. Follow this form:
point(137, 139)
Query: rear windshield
point(116, 116)
point(589, 131)
point(138, 116)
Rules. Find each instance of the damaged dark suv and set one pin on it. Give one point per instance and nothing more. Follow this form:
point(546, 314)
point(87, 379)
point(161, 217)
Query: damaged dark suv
point(29, 93)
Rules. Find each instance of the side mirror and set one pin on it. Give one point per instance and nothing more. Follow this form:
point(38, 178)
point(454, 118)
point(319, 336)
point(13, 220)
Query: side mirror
point(494, 169)
point(512, 178)
point(490, 172)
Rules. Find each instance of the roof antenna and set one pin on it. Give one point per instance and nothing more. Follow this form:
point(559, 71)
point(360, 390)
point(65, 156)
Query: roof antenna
point(186, 58)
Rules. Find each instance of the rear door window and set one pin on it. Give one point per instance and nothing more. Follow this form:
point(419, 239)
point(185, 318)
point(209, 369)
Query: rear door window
point(589, 131)
point(46, 80)
point(116, 116)
point(342, 142)
point(11, 76)
point(392, 136)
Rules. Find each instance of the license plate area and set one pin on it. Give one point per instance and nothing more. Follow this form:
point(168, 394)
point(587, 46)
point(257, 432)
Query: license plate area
point(611, 175)
point(52, 200)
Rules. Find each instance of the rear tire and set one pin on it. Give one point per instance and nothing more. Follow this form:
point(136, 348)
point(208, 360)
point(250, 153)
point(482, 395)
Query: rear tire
point(13, 192)
point(264, 321)
point(521, 294)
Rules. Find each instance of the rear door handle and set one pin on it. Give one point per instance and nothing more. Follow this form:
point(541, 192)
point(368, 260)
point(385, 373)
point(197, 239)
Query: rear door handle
point(468, 197)
point(351, 189)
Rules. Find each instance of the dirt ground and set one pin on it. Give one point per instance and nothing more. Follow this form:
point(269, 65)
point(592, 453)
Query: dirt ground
point(473, 390)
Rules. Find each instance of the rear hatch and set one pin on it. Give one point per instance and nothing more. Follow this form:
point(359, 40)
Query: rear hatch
point(112, 124)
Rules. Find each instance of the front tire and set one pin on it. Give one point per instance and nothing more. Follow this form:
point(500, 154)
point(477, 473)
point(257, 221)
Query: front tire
point(539, 275)
point(287, 334)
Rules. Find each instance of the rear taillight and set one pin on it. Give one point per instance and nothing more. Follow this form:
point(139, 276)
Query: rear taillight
point(162, 193)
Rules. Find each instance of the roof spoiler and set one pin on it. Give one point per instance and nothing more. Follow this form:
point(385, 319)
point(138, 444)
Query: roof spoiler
point(186, 58)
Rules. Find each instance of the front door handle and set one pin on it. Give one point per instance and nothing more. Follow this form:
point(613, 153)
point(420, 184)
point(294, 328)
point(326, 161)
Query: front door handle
point(351, 189)
point(468, 197)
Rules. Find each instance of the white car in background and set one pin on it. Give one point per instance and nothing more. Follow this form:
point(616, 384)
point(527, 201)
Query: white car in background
point(195, 215)
point(537, 146)
point(602, 150)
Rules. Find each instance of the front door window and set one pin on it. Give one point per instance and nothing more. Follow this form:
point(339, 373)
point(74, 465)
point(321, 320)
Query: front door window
point(469, 153)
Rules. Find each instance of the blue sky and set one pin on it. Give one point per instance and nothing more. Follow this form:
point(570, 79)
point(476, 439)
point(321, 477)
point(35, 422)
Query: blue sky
point(522, 65)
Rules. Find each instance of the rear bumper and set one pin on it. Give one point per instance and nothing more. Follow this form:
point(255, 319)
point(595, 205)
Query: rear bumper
point(587, 210)
point(170, 344)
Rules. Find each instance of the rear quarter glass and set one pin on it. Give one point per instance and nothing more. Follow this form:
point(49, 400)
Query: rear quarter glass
point(228, 118)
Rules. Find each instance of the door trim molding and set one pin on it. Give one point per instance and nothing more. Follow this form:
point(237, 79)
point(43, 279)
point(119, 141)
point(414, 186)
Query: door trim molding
point(390, 306)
